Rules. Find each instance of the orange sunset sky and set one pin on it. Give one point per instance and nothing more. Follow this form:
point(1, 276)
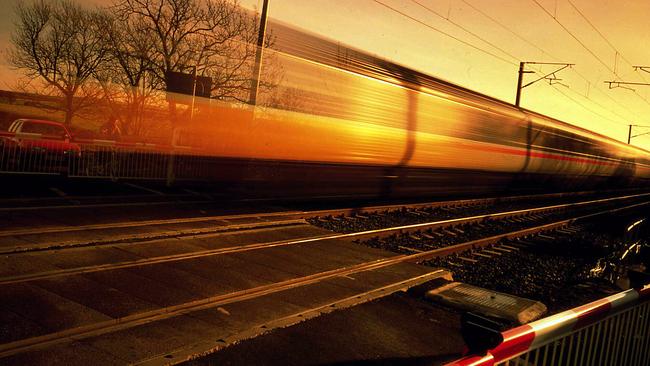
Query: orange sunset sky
point(479, 44)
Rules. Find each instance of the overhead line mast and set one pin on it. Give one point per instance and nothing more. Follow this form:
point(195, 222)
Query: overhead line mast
point(621, 84)
point(550, 76)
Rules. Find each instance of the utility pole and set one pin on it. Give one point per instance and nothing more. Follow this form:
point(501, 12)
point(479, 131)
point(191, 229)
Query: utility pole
point(630, 136)
point(255, 81)
point(623, 84)
point(193, 93)
point(520, 80)
point(552, 79)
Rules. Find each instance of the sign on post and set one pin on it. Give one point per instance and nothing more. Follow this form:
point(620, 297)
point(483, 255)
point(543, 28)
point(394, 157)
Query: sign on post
point(178, 82)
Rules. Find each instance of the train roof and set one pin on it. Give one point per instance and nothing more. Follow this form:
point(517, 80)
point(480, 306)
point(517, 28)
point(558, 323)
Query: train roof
point(308, 45)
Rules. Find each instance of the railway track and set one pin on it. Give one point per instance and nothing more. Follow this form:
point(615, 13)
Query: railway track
point(248, 261)
point(47, 237)
point(431, 235)
point(420, 238)
point(79, 202)
point(64, 201)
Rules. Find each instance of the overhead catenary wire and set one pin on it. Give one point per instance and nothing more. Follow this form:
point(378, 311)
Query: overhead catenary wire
point(601, 34)
point(585, 47)
point(549, 54)
point(445, 33)
point(448, 19)
point(506, 28)
point(616, 50)
point(575, 38)
point(582, 105)
point(608, 119)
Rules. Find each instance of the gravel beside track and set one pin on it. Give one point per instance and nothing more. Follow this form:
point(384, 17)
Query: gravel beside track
point(553, 267)
point(555, 272)
point(409, 243)
point(409, 216)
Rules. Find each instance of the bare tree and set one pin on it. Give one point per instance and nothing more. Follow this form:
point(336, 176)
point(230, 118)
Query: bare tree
point(58, 41)
point(216, 36)
point(123, 75)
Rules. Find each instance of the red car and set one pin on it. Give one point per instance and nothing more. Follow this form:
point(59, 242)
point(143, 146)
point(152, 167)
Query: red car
point(37, 145)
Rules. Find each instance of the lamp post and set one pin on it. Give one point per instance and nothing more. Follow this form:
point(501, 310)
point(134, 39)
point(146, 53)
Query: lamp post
point(255, 81)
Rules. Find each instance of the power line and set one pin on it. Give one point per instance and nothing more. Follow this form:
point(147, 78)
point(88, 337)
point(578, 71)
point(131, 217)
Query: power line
point(466, 30)
point(604, 93)
point(500, 24)
point(459, 26)
point(585, 47)
point(603, 108)
point(599, 32)
point(507, 53)
point(515, 57)
point(610, 45)
point(584, 106)
point(445, 33)
point(574, 37)
point(506, 28)
point(607, 95)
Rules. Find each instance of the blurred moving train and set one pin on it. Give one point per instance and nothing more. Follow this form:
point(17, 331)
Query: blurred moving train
point(344, 123)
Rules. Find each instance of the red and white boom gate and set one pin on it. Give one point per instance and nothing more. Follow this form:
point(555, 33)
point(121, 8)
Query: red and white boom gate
point(610, 331)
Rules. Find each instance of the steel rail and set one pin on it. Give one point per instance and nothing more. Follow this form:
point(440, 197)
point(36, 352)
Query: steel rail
point(77, 198)
point(130, 321)
point(298, 214)
point(128, 224)
point(224, 218)
point(151, 237)
point(265, 245)
point(102, 205)
point(183, 354)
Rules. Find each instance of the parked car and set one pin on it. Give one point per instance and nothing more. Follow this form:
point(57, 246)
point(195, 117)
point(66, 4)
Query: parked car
point(33, 145)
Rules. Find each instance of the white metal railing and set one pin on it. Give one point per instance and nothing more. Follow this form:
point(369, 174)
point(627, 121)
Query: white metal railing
point(32, 154)
point(611, 331)
point(109, 159)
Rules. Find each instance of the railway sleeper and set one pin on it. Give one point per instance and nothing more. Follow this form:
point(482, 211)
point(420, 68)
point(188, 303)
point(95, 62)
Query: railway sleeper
point(438, 233)
point(449, 232)
point(508, 247)
point(548, 237)
point(409, 249)
point(502, 249)
point(466, 259)
point(522, 244)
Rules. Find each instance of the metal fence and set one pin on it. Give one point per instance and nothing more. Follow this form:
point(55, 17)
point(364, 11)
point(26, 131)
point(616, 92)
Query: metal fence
point(33, 155)
point(107, 159)
point(611, 331)
point(104, 159)
point(620, 339)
